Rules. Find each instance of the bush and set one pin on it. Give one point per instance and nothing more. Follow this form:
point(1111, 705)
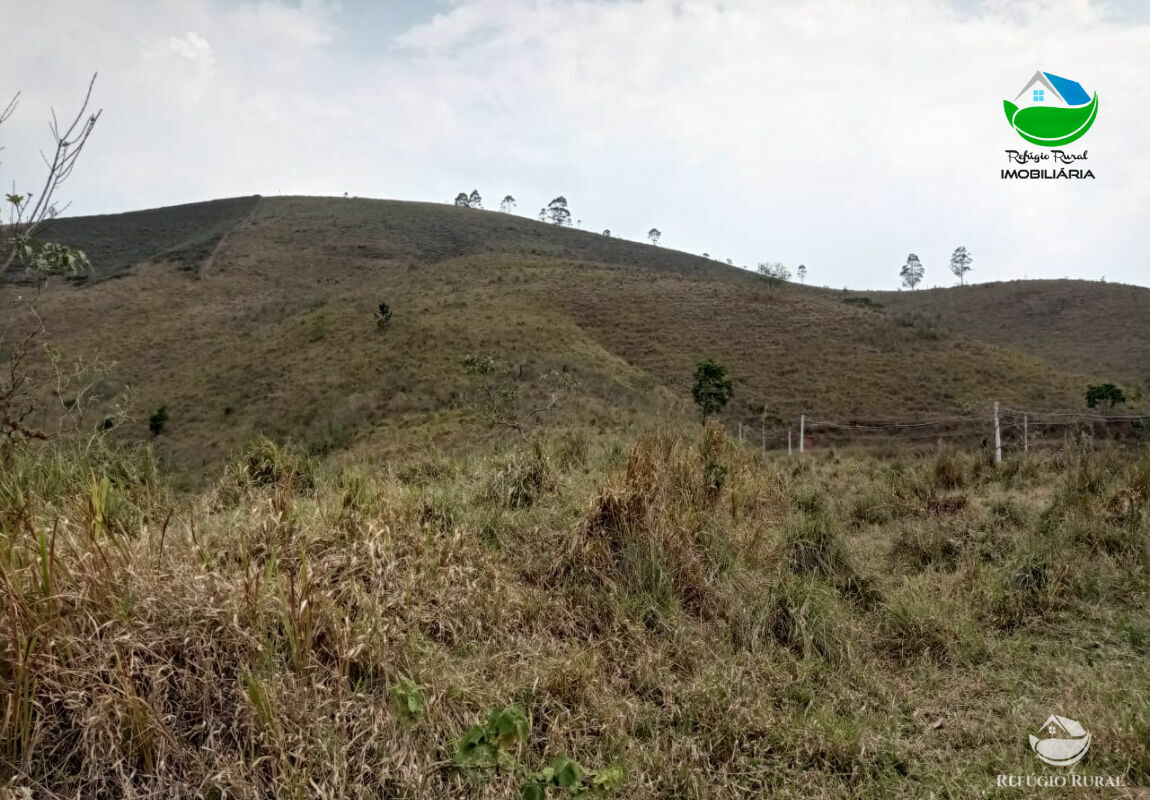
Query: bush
point(383, 316)
point(158, 420)
point(864, 302)
point(925, 324)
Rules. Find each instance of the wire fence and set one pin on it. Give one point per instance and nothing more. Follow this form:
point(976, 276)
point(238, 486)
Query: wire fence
point(1001, 428)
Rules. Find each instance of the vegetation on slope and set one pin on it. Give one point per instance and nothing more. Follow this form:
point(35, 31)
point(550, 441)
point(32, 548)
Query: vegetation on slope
point(711, 621)
point(1082, 326)
point(279, 335)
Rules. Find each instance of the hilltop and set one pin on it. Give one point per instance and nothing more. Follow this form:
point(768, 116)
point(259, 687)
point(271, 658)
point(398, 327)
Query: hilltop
point(255, 315)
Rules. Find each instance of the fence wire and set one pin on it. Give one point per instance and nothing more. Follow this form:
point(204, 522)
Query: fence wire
point(1018, 429)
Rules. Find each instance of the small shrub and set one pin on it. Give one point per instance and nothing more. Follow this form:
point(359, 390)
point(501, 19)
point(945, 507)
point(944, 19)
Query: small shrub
point(867, 303)
point(383, 316)
point(924, 324)
point(158, 420)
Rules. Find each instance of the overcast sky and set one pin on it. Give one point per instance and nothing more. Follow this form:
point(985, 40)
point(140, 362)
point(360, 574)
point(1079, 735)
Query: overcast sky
point(840, 134)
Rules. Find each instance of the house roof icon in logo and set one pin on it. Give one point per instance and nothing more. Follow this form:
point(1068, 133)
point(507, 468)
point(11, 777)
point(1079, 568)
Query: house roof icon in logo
point(1062, 741)
point(1047, 89)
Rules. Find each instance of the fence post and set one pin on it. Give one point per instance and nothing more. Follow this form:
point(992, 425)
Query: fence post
point(1025, 433)
point(740, 433)
point(764, 439)
point(788, 441)
point(802, 432)
point(997, 437)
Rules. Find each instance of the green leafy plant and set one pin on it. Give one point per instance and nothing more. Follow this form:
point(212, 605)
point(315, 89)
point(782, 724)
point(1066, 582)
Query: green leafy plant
point(1099, 393)
point(499, 745)
point(408, 697)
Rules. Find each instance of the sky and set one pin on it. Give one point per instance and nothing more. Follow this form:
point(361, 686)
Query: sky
point(839, 134)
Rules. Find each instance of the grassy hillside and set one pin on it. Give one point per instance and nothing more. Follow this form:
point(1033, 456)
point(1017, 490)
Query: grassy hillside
point(275, 334)
point(183, 235)
point(1082, 326)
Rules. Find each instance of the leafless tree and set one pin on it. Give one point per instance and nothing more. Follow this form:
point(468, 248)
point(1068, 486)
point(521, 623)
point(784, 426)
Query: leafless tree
point(42, 394)
point(28, 213)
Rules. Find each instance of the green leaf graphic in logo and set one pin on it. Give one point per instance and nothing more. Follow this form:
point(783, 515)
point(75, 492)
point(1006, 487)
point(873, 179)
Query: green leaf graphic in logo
point(1051, 111)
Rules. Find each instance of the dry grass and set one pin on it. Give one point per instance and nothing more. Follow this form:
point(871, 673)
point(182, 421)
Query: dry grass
point(712, 620)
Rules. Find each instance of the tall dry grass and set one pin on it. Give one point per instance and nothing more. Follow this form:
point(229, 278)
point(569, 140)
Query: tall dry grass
point(716, 622)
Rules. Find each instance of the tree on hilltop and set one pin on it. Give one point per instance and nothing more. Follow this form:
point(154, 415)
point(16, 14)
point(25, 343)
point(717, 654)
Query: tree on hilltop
point(654, 235)
point(912, 272)
point(960, 264)
point(506, 204)
point(557, 211)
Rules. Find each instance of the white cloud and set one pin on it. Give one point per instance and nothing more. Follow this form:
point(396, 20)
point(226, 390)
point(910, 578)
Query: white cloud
point(838, 134)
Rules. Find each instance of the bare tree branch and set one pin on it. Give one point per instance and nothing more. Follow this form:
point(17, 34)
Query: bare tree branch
point(28, 213)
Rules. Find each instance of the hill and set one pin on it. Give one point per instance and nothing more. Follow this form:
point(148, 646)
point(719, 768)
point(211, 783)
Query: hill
point(272, 331)
point(1084, 326)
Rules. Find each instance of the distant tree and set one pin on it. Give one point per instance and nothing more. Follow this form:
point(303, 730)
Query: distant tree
point(607, 232)
point(960, 264)
point(713, 389)
point(383, 316)
point(474, 199)
point(730, 263)
point(912, 272)
point(578, 223)
point(507, 204)
point(775, 273)
point(557, 211)
point(543, 215)
point(1098, 394)
point(158, 420)
point(462, 200)
point(654, 235)
point(706, 255)
point(498, 396)
point(802, 273)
